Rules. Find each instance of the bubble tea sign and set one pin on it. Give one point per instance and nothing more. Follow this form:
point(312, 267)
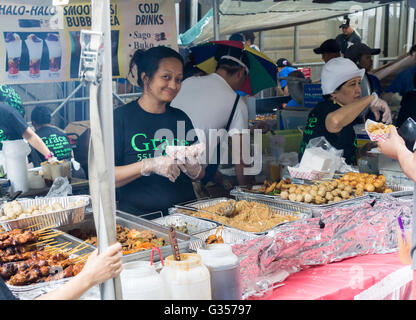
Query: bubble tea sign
point(40, 42)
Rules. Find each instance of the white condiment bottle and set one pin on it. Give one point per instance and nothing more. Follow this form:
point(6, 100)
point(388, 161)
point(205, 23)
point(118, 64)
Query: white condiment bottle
point(187, 279)
point(140, 281)
point(224, 267)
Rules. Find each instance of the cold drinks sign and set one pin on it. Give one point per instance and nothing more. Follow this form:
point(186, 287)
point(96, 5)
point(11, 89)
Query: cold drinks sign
point(40, 43)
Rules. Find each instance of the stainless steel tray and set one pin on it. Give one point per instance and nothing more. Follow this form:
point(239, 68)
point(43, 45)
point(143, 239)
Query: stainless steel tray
point(193, 224)
point(139, 224)
point(50, 219)
point(276, 209)
point(34, 290)
point(303, 207)
point(230, 236)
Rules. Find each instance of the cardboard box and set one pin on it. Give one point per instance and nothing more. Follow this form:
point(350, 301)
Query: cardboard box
point(77, 127)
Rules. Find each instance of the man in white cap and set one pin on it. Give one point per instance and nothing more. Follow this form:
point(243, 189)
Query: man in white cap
point(335, 117)
point(211, 102)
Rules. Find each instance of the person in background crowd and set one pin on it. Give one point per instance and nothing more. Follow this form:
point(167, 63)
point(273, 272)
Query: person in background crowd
point(236, 37)
point(284, 67)
point(146, 180)
point(360, 54)
point(328, 50)
point(209, 102)
point(54, 138)
point(407, 106)
point(14, 127)
point(403, 82)
point(9, 96)
point(334, 118)
point(98, 268)
point(249, 38)
point(348, 37)
point(395, 148)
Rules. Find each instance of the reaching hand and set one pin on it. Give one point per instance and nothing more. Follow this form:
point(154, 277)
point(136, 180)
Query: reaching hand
point(104, 266)
point(378, 105)
point(163, 166)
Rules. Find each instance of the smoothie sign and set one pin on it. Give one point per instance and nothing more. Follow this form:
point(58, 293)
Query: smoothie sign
point(40, 43)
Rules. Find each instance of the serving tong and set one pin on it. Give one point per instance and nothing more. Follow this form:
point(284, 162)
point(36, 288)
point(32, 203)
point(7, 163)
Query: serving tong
point(226, 210)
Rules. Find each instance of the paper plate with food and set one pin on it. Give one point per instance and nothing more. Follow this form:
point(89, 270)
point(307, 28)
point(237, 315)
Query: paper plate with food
point(377, 131)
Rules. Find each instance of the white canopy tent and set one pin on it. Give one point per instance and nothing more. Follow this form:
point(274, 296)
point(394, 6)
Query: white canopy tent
point(237, 16)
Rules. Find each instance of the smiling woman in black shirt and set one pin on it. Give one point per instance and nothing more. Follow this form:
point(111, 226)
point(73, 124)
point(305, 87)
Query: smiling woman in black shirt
point(147, 179)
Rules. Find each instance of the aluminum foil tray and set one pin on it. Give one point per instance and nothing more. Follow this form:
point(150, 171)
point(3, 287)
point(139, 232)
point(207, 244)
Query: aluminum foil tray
point(230, 236)
point(139, 224)
point(193, 224)
point(34, 290)
point(276, 209)
point(291, 205)
point(50, 219)
point(398, 191)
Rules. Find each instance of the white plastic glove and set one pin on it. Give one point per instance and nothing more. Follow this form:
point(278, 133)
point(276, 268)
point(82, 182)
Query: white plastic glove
point(192, 170)
point(163, 166)
point(379, 105)
point(75, 164)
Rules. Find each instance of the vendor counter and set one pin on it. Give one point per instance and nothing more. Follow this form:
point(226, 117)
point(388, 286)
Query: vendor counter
point(79, 186)
point(369, 277)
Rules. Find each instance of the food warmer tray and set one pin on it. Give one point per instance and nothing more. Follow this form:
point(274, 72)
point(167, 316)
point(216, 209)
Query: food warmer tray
point(398, 191)
point(138, 224)
point(193, 224)
point(276, 201)
point(230, 236)
point(201, 204)
point(50, 219)
point(34, 290)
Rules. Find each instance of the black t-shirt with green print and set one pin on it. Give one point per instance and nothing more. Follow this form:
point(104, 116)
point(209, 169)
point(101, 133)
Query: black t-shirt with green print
point(137, 137)
point(315, 127)
point(12, 124)
point(57, 141)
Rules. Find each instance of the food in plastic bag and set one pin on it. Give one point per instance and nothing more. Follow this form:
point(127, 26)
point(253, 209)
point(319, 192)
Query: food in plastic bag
point(60, 188)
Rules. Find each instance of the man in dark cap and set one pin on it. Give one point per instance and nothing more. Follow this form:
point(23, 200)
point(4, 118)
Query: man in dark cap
point(361, 55)
point(348, 36)
point(328, 49)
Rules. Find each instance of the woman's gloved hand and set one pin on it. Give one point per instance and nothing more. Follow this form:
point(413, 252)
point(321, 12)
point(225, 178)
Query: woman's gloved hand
point(192, 170)
point(379, 105)
point(163, 166)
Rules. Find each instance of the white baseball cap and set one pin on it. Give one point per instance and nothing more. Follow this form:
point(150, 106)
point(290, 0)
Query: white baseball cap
point(337, 71)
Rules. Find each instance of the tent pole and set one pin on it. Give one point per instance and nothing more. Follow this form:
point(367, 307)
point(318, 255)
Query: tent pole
point(410, 27)
point(216, 20)
point(296, 40)
point(377, 35)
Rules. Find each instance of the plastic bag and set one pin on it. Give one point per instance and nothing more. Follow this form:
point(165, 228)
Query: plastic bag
point(60, 188)
point(321, 142)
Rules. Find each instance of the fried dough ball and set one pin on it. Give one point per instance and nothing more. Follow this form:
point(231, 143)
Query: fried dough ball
point(292, 189)
point(360, 185)
point(378, 184)
point(321, 192)
point(359, 192)
point(387, 190)
point(341, 186)
point(298, 191)
point(345, 194)
point(308, 198)
point(284, 195)
point(292, 197)
point(299, 198)
point(382, 178)
point(329, 196)
point(336, 199)
point(348, 189)
point(313, 193)
point(319, 200)
point(369, 187)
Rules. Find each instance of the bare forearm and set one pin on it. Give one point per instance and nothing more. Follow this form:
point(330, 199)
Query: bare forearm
point(126, 174)
point(342, 117)
point(36, 142)
point(407, 161)
point(71, 290)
